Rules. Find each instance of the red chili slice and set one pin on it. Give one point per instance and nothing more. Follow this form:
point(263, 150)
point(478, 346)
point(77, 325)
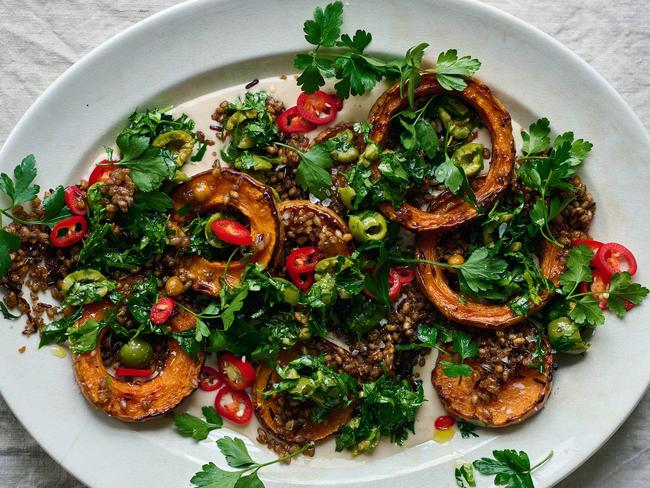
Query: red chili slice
point(318, 108)
point(303, 259)
point(162, 310)
point(301, 265)
point(291, 121)
point(133, 372)
point(237, 374)
point(406, 275)
point(394, 285)
point(444, 422)
point(75, 199)
point(69, 231)
point(610, 256)
point(211, 379)
point(100, 173)
point(232, 232)
point(234, 405)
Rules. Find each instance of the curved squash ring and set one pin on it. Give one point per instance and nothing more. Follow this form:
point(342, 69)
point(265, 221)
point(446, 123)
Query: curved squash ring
point(328, 219)
point(461, 309)
point(267, 409)
point(132, 402)
point(518, 399)
point(496, 119)
point(252, 199)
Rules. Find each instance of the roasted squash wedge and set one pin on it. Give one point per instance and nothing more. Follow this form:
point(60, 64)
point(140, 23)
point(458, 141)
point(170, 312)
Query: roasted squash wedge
point(495, 117)
point(176, 379)
point(269, 411)
point(326, 224)
point(517, 400)
point(464, 310)
point(207, 193)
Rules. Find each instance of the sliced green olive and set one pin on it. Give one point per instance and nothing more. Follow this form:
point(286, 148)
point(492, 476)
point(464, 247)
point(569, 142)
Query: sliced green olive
point(458, 130)
point(290, 292)
point(181, 142)
point(370, 154)
point(235, 119)
point(347, 194)
point(83, 275)
point(470, 158)
point(368, 226)
point(137, 353)
point(213, 240)
point(565, 336)
point(327, 268)
point(253, 162)
point(245, 142)
point(345, 151)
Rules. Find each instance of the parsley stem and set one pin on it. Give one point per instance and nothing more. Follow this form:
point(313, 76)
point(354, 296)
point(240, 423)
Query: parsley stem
point(21, 221)
point(288, 456)
point(426, 261)
point(543, 461)
point(296, 150)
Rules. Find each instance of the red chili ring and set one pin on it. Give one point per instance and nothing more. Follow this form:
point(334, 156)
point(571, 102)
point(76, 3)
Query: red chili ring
point(74, 229)
point(608, 257)
point(211, 379)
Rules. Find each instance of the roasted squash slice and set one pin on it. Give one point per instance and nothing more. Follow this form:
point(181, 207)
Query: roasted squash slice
point(495, 117)
point(517, 400)
point(268, 410)
point(464, 310)
point(206, 193)
point(177, 378)
point(326, 223)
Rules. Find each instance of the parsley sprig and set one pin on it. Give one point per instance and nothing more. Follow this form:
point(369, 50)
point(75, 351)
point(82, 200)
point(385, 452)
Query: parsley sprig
point(237, 456)
point(510, 468)
point(547, 169)
point(584, 308)
point(461, 342)
point(312, 172)
point(343, 57)
point(19, 190)
point(195, 427)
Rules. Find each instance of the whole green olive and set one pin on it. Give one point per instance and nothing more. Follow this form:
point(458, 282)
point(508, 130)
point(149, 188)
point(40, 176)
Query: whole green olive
point(137, 353)
point(368, 226)
point(564, 335)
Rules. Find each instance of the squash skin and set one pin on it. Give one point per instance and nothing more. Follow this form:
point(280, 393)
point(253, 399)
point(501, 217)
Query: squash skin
point(254, 200)
point(133, 402)
point(455, 211)
point(266, 408)
point(328, 218)
point(464, 310)
point(519, 398)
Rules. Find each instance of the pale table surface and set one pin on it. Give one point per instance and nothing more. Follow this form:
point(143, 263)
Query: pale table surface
point(40, 39)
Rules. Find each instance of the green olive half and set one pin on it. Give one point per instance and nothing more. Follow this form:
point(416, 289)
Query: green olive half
point(179, 141)
point(470, 158)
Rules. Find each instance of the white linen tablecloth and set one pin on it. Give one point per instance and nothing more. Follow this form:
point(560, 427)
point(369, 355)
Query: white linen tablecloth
point(41, 38)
